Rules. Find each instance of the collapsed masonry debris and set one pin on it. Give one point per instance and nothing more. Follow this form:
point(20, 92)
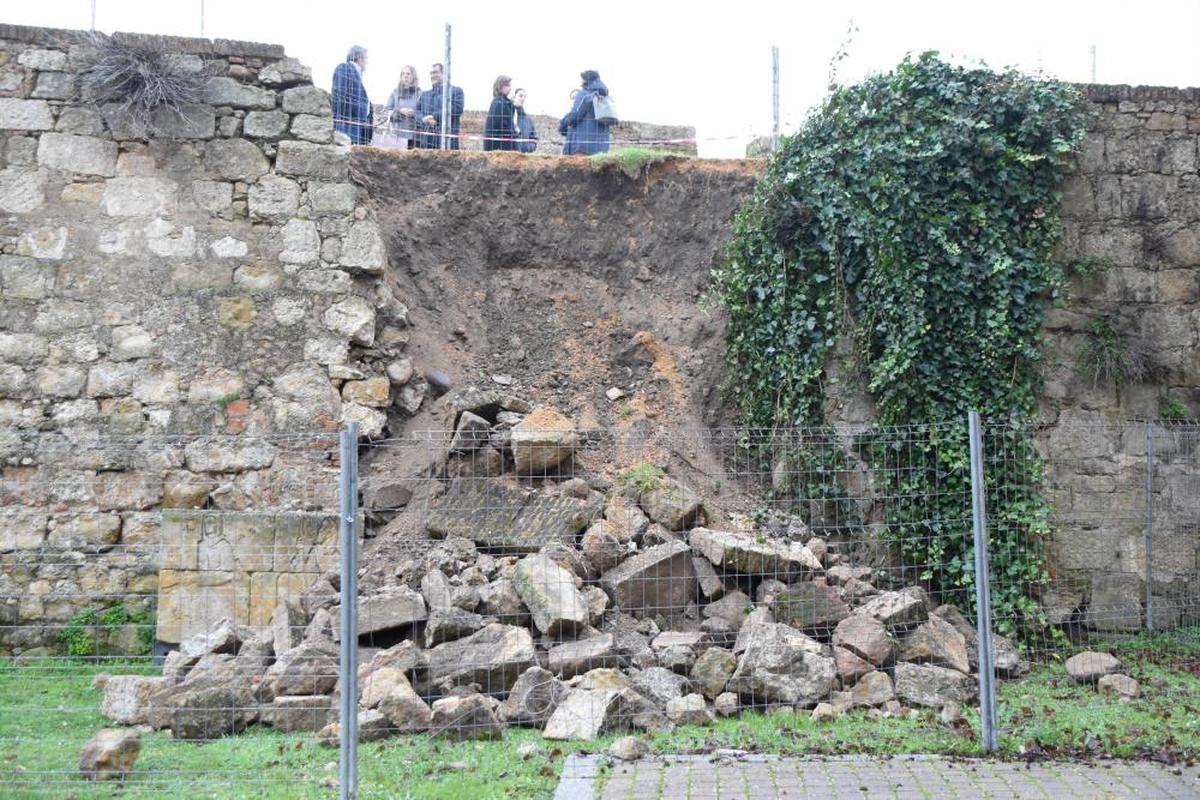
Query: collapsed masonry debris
point(579, 608)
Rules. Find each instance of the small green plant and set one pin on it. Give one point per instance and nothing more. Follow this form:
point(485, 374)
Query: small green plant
point(633, 161)
point(1106, 355)
point(225, 399)
point(1173, 410)
point(644, 477)
point(624, 411)
point(1089, 265)
point(86, 632)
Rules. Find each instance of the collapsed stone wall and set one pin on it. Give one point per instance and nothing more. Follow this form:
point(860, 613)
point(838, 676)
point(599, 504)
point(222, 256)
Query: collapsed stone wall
point(235, 278)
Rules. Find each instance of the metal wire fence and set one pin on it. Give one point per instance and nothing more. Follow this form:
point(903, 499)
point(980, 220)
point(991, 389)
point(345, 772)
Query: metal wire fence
point(518, 572)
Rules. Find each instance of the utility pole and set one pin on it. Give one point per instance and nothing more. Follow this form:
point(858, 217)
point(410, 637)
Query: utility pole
point(446, 98)
point(201, 19)
point(1093, 55)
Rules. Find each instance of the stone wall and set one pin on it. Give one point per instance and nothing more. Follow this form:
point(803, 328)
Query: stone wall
point(222, 281)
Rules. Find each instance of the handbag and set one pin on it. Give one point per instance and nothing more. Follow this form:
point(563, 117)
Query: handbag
point(604, 109)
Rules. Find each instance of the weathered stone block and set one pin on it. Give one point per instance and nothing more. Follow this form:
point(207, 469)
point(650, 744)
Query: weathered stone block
point(265, 124)
point(25, 115)
point(275, 199)
point(39, 59)
point(331, 198)
point(493, 658)
point(549, 592)
point(363, 249)
point(229, 455)
point(213, 196)
point(83, 154)
point(746, 553)
point(659, 580)
point(313, 128)
point(235, 159)
point(354, 318)
point(301, 244)
point(24, 278)
point(283, 73)
point(139, 196)
point(223, 91)
point(502, 518)
point(21, 190)
point(308, 160)
point(307, 100)
point(59, 381)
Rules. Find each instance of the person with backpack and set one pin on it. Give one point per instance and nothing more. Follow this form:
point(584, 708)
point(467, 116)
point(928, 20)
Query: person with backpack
point(499, 128)
point(586, 133)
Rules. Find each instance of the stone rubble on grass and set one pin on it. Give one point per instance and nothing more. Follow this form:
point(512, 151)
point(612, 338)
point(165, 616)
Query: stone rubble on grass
point(1122, 686)
point(563, 609)
point(1089, 666)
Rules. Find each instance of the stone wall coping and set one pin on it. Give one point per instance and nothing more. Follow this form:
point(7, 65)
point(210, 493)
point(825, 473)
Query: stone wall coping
point(57, 37)
point(1115, 93)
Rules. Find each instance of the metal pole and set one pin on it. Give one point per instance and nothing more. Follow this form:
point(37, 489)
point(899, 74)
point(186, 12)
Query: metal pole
point(93, 15)
point(348, 628)
point(983, 595)
point(446, 104)
point(774, 98)
point(1093, 56)
point(1150, 527)
point(201, 19)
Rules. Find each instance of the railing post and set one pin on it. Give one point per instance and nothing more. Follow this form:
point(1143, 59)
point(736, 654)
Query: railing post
point(348, 627)
point(1150, 527)
point(983, 595)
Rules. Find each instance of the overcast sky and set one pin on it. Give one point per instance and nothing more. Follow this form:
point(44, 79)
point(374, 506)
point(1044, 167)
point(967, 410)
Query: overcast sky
point(707, 65)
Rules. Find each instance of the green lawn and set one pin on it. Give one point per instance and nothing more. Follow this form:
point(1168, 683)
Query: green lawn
point(44, 719)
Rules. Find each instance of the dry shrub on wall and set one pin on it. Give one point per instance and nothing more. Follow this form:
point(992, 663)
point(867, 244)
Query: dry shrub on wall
point(148, 83)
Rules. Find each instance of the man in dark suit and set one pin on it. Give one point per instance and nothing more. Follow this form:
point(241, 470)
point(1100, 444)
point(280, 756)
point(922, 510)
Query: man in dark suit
point(351, 108)
point(429, 107)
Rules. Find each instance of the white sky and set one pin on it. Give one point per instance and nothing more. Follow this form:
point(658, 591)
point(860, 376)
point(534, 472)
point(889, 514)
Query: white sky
point(693, 63)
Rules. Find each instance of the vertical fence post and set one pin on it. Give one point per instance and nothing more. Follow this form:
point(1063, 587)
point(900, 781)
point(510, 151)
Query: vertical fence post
point(1150, 527)
point(983, 595)
point(447, 98)
point(348, 661)
point(774, 99)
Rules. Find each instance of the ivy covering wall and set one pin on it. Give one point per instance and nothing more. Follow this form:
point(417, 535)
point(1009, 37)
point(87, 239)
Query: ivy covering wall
point(916, 212)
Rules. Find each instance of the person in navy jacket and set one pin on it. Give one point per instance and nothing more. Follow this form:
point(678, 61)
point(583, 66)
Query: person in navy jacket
point(585, 136)
point(351, 107)
point(430, 109)
point(499, 128)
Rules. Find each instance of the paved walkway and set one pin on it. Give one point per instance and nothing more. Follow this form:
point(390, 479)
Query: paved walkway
point(763, 777)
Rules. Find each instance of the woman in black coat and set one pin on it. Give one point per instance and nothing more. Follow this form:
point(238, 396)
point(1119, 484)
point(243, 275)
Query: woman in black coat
point(526, 132)
point(499, 132)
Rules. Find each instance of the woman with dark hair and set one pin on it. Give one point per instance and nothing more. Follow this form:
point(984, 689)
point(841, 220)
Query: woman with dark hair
point(400, 112)
point(526, 132)
point(585, 136)
point(499, 131)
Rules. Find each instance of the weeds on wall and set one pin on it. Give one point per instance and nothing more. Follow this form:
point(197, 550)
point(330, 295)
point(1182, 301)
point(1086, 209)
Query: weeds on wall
point(1106, 356)
point(89, 631)
point(915, 212)
point(148, 83)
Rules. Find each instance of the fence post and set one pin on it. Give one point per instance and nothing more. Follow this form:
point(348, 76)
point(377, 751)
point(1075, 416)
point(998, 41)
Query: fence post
point(447, 98)
point(774, 98)
point(348, 661)
point(983, 595)
point(1150, 527)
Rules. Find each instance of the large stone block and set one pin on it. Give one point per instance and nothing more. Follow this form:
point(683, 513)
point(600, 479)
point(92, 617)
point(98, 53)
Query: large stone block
point(139, 196)
point(223, 91)
point(493, 658)
point(25, 115)
point(1116, 602)
point(503, 518)
point(301, 244)
point(191, 602)
point(549, 592)
point(331, 198)
point(396, 608)
point(229, 454)
point(265, 124)
point(659, 580)
point(235, 160)
point(362, 249)
point(307, 100)
point(753, 555)
point(84, 154)
point(275, 199)
point(542, 440)
point(21, 190)
point(308, 160)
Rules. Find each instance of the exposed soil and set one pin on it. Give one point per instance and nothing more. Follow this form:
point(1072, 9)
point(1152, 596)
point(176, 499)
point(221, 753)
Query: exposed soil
point(557, 281)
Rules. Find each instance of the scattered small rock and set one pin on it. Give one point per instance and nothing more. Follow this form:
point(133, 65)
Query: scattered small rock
point(1089, 666)
point(1123, 686)
point(614, 394)
point(628, 748)
point(110, 754)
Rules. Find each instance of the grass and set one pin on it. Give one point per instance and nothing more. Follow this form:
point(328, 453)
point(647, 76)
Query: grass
point(644, 477)
point(44, 720)
point(633, 161)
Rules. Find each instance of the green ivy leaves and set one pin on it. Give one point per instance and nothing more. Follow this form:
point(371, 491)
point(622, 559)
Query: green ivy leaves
point(916, 213)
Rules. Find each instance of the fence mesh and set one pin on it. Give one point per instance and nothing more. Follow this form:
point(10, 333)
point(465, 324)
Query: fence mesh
point(520, 573)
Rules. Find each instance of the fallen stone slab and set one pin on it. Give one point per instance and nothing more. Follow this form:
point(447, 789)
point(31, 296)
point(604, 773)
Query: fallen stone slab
point(810, 607)
point(549, 593)
point(533, 698)
point(658, 580)
point(447, 624)
point(575, 658)
point(867, 638)
point(110, 754)
point(505, 519)
point(873, 689)
point(930, 686)
point(782, 665)
point(661, 685)
point(672, 505)
point(587, 713)
point(936, 641)
point(372, 726)
point(493, 658)
point(404, 709)
point(677, 650)
point(542, 440)
point(1122, 686)
point(897, 610)
point(213, 712)
point(1115, 603)
point(1005, 655)
point(127, 696)
point(689, 710)
point(311, 668)
point(712, 672)
point(466, 718)
point(746, 553)
point(1089, 667)
point(295, 713)
point(396, 607)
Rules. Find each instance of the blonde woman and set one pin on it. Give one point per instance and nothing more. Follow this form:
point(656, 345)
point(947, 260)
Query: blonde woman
point(400, 112)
